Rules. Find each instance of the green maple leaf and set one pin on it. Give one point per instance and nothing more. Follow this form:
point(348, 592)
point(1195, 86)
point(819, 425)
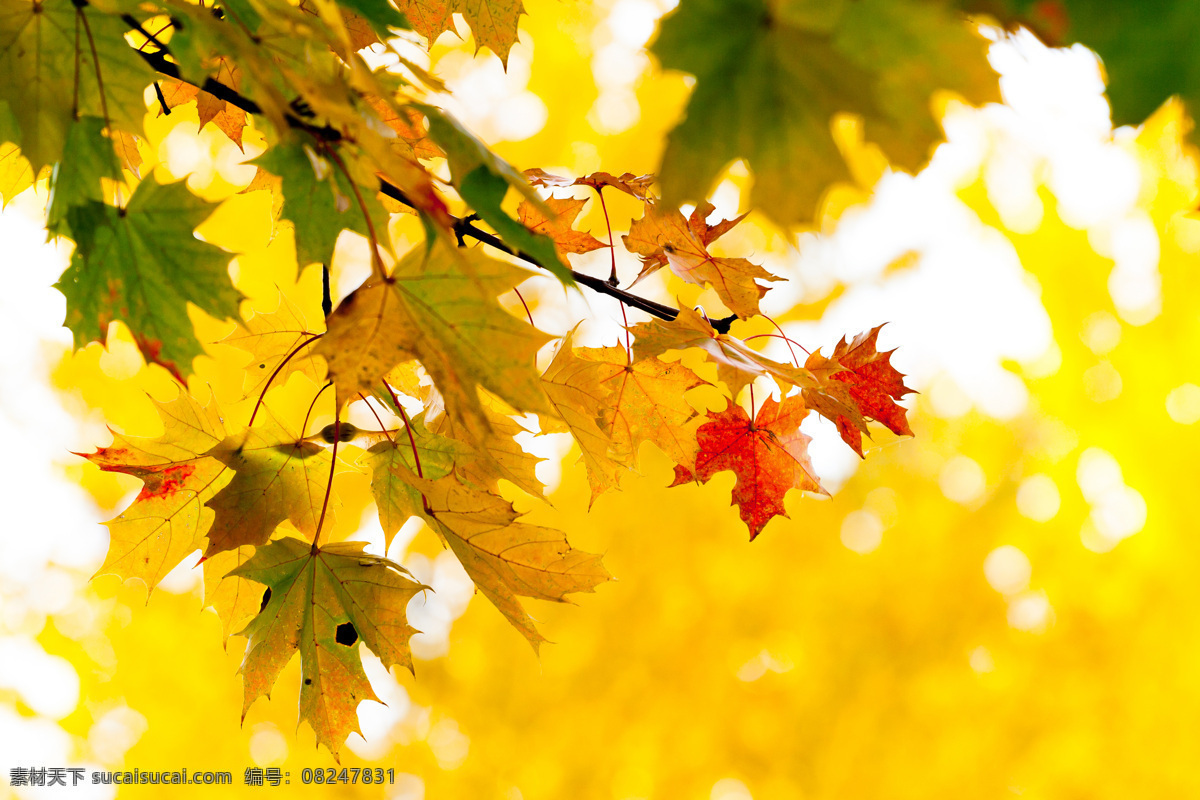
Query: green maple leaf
point(322, 602)
point(87, 157)
point(1147, 47)
point(143, 265)
point(398, 500)
point(320, 208)
point(483, 179)
point(770, 76)
point(60, 61)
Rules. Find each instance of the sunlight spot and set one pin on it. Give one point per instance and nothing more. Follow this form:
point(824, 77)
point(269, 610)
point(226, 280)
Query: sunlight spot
point(882, 502)
point(962, 480)
point(1098, 474)
point(947, 399)
point(730, 789)
point(1007, 569)
point(268, 747)
point(48, 684)
point(862, 531)
point(1038, 498)
point(520, 117)
point(1010, 179)
point(184, 578)
point(981, 660)
point(1030, 612)
point(1102, 383)
point(432, 613)
point(1134, 283)
point(632, 22)
point(763, 663)
point(1183, 404)
point(1046, 364)
point(183, 153)
point(614, 112)
point(726, 200)
point(615, 67)
point(407, 787)
point(1119, 514)
point(449, 745)
point(1101, 332)
point(114, 732)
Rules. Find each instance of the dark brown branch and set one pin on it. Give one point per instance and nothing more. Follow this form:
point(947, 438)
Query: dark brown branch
point(462, 227)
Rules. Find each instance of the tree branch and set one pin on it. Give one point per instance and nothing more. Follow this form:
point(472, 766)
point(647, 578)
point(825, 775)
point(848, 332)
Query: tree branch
point(462, 227)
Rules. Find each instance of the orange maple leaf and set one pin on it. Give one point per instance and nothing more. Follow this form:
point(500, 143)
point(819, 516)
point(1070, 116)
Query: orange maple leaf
point(769, 456)
point(856, 384)
point(634, 185)
point(559, 227)
point(664, 238)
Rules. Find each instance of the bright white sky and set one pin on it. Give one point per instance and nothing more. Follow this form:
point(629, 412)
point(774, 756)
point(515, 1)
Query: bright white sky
point(963, 308)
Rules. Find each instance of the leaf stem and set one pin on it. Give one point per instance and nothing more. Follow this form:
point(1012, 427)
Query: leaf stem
point(612, 250)
point(382, 427)
point(286, 359)
point(407, 427)
point(521, 297)
point(372, 235)
point(87, 31)
point(328, 486)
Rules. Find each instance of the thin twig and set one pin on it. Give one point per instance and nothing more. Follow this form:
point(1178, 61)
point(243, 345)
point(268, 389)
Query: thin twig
point(462, 227)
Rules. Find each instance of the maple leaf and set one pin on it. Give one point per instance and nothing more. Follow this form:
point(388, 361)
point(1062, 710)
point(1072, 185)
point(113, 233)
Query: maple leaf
point(276, 476)
point(15, 173)
point(769, 457)
point(273, 340)
point(494, 22)
point(856, 384)
point(321, 603)
point(228, 118)
point(412, 134)
point(88, 157)
point(1144, 51)
point(265, 181)
point(482, 179)
point(52, 56)
point(236, 600)
point(644, 402)
point(737, 364)
point(167, 520)
point(438, 306)
point(364, 29)
point(663, 236)
point(121, 269)
point(126, 145)
point(559, 225)
point(318, 200)
point(506, 558)
point(574, 388)
point(635, 185)
point(771, 76)
point(497, 455)
point(427, 454)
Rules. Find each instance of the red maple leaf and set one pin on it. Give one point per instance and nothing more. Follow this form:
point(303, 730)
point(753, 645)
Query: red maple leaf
point(769, 456)
point(856, 384)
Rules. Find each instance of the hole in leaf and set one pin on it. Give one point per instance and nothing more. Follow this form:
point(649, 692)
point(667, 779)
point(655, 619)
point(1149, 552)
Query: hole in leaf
point(346, 634)
point(308, 681)
point(266, 599)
